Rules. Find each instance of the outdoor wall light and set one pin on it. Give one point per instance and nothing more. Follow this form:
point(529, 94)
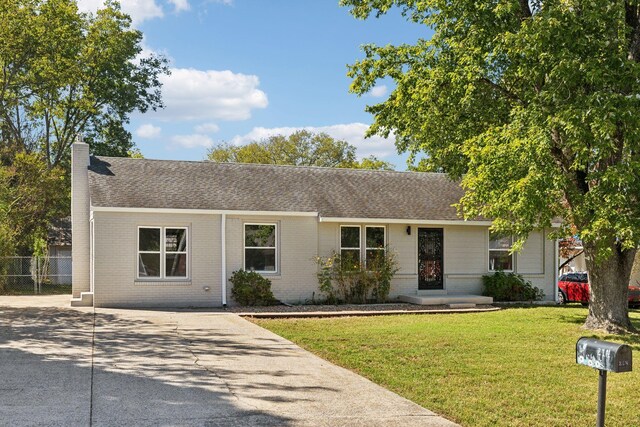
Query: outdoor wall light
point(408, 230)
point(206, 288)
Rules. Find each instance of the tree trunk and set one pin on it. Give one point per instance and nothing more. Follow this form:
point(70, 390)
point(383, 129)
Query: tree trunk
point(609, 280)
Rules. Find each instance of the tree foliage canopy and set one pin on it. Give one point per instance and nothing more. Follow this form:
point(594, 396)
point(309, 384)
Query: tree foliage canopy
point(31, 195)
point(533, 104)
point(64, 73)
point(302, 148)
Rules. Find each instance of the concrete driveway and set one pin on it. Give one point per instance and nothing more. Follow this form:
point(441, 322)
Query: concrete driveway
point(79, 367)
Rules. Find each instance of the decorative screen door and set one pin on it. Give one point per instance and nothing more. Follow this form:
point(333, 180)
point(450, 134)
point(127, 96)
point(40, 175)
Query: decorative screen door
point(430, 258)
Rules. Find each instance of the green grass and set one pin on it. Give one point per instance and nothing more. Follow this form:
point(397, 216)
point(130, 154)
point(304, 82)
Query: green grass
point(514, 367)
point(45, 289)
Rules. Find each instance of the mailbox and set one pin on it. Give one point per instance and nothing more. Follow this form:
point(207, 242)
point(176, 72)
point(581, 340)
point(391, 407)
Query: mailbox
point(603, 355)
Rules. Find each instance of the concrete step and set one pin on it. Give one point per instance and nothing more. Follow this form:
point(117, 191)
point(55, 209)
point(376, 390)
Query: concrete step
point(462, 305)
point(85, 300)
point(446, 299)
point(430, 292)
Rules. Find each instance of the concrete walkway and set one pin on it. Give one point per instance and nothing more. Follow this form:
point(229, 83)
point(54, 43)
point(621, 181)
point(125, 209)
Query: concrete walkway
point(76, 367)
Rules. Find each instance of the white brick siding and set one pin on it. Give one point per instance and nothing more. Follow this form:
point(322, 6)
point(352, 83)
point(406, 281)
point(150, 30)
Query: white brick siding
point(295, 280)
point(80, 250)
point(300, 239)
point(116, 262)
point(466, 253)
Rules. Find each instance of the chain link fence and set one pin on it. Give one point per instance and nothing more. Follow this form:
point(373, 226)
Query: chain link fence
point(35, 275)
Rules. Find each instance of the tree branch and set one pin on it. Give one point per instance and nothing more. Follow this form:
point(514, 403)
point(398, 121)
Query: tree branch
point(631, 19)
point(506, 92)
point(570, 259)
point(525, 10)
point(47, 137)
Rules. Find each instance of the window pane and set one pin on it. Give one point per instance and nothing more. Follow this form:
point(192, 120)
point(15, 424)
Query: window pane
point(499, 242)
point(176, 240)
point(260, 259)
point(350, 237)
point(350, 258)
point(500, 260)
point(260, 235)
point(375, 237)
point(149, 239)
point(373, 257)
point(149, 265)
point(176, 265)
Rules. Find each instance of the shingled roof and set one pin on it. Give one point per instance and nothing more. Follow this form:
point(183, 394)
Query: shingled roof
point(343, 193)
point(60, 232)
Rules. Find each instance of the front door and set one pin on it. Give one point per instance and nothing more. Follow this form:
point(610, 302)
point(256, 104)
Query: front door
point(430, 258)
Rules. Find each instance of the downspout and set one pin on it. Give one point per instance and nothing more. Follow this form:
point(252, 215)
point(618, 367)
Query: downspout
point(223, 257)
point(555, 269)
point(92, 246)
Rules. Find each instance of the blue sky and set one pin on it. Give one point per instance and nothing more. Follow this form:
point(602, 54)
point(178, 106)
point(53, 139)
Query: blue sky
point(246, 69)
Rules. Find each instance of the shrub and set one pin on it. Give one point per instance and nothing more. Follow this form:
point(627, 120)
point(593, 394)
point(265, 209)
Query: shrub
point(381, 270)
point(348, 281)
point(510, 287)
point(251, 289)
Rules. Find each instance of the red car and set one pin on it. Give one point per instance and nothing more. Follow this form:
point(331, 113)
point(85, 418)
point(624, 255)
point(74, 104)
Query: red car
point(574, 287)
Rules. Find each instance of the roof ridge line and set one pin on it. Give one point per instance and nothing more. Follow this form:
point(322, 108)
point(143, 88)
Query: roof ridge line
point(353, 170)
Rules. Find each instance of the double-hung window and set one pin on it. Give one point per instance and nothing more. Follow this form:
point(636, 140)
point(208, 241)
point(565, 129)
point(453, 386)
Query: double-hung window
point(350, 245)
point(500, 255)
point(374, 244)
point(162, 252)
point(260, 248)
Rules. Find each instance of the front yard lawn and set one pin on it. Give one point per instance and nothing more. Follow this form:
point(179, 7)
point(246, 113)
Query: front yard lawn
point(514, 367)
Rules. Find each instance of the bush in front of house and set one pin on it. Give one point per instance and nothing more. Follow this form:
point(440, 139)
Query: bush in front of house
point(251, 289)
point(381, 270)
point(348, 281)
point(510, 287)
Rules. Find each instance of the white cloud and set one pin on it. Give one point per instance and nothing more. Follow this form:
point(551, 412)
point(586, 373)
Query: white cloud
point(139, 10)
point(378, 91)
point(207, 128)
point(353, 133)
point(191, 141)
point(191, 94)
point(148, 51)
point(180, 5)
point(148, 131)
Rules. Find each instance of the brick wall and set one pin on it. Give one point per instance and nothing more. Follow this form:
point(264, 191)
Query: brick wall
point(300, 239)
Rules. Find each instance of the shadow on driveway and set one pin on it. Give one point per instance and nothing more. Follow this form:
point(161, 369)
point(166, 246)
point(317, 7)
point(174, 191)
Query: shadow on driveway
point(138, 376)
point(70, 367)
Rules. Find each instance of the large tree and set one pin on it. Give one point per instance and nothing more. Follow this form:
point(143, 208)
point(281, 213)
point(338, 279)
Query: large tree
point(65, 73)
point(302, 148)
point(31, 196)
point(535, 106)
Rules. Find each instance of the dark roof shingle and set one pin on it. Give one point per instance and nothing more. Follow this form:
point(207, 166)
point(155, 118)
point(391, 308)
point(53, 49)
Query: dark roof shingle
point(59, 233)
point(344, 193)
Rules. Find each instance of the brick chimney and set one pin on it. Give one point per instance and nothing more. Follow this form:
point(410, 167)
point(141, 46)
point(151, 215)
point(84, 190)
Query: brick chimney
point(80, 218)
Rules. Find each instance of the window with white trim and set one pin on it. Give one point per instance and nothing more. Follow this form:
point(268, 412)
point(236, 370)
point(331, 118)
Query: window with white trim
point(350, 244)
point(163, 252)
point(356, 250)
point(260, 248)
point(500, 256)
point(374, 243)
